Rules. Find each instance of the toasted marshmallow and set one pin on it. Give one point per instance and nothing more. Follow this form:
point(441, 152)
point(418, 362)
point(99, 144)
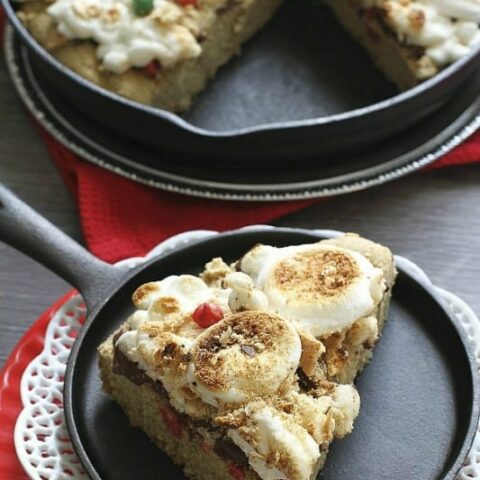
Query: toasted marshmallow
point(244, 296)
point(246, 355)
point(188, 291)
point(162, 331)
point(322, 288)
point(268, 435)
point(177, 294)
point(138, 318)
point(125, 39)
point(447, 29)
point(468, 10)
point(276, 447)
point(346, 409)
point(160, 354)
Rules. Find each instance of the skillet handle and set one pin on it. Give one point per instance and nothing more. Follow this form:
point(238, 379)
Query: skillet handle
point(27, 231)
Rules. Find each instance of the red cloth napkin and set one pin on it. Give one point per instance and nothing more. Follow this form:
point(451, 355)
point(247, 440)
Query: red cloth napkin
point(121, 218)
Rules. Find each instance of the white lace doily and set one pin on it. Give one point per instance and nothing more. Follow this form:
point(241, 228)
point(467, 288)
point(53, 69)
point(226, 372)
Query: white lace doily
point(41, 438)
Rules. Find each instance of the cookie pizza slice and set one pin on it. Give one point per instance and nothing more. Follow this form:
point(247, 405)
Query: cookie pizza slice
point(411, 40)
point(243, 372)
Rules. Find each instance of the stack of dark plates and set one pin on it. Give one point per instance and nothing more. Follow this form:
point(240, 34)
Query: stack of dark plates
point(295, 116)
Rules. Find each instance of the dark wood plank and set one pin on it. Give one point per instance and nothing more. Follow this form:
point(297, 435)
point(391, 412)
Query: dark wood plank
point(27, 289)
point(432, 218)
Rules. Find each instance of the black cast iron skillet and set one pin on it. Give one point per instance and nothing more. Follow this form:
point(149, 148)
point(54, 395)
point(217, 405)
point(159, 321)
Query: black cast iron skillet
point(292, 96)
point(420, 394)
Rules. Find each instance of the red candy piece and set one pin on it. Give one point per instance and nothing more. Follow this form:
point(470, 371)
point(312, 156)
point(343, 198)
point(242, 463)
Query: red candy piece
point(171, 420)
point(151, 68)
point(207, 314)
point(237, 472)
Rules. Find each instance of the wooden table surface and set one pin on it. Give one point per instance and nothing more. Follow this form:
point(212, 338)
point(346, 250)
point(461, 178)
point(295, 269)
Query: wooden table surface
point(431, 218)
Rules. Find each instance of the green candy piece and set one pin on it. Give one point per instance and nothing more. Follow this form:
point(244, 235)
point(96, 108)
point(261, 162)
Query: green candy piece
point(142, 7)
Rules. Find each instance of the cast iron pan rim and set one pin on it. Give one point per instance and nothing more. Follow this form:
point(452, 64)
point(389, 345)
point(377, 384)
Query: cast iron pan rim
point(188, 185)
point(274, 126)
point(403, 268)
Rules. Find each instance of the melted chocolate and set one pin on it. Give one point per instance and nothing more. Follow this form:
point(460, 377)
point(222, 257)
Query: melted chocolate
point(225, 448)
point(304, 381)
point(122, 365)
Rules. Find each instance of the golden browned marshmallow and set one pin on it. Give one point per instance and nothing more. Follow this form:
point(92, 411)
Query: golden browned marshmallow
point(246, 355)
point(320, 287)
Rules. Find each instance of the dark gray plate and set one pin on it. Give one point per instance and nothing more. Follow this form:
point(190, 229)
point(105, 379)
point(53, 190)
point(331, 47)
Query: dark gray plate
point(333, 174)
point(419, 394)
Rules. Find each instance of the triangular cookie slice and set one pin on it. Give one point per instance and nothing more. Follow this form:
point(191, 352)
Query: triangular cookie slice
point(411, 40)
point(245, 371)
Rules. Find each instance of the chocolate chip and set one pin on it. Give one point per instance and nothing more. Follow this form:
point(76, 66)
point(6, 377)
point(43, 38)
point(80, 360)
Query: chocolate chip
point(169, 350)
point(186, 357)
point(323, 447)
point(122, 365)
point(304, 381)
point(368, 344)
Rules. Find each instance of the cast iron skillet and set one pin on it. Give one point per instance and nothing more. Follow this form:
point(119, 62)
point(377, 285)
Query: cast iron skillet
point(309, 93)
point(420, 394)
